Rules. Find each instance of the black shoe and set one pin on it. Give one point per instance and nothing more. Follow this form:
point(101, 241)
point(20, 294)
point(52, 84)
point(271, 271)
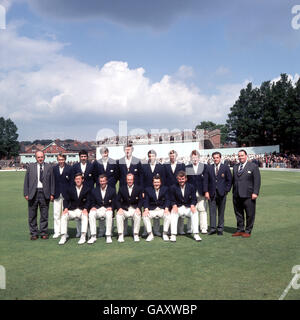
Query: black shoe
point(212, 232)
point(220, 233)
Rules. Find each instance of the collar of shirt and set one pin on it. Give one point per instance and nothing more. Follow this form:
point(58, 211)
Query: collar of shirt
point(182, 189)
point(128, 161)
point(61, 169)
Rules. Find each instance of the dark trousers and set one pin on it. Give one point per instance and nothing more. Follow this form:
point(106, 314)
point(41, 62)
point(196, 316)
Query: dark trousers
point(217, 203)
point(40, 201)
point(242, 206)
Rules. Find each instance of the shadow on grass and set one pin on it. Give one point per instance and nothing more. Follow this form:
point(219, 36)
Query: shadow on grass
point(229, 229)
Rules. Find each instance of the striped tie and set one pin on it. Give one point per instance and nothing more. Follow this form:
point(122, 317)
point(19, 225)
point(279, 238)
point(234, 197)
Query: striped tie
point(240, 169)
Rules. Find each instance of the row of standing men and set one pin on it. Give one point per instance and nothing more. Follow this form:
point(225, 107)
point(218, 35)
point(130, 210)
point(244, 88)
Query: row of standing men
point(81, 200)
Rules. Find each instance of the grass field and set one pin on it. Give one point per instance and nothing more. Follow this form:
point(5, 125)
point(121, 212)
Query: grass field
point(216, 268)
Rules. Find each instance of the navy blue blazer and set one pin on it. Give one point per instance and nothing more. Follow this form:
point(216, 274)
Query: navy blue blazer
point(97, 201)
point(222, 182)
point(198, 179)
point(189, 195)
point(170, 176)
point(72, 202)
point(112, 171)
point(124, 201)
point(62, 181)
point(151, 202)
point(147, 175)
point(90, 175)
point(135, 168)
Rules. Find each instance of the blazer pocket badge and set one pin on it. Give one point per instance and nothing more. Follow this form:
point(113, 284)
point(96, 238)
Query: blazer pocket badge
point(137, 198)
point(249, 171)
point(84, 199)
point(109, 200)
point(111, 170)
point(90, 175)
point(222, 175)
point(135, 169)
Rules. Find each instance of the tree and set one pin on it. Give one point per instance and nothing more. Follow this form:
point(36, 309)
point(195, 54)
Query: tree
point(9, 146)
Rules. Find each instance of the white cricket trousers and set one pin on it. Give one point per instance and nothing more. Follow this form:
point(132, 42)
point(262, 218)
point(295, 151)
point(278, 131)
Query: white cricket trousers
point(57, 212)
point(157, 214)
point(183, 212)
point(130, 213)
point(101, 214)
point(72, 215)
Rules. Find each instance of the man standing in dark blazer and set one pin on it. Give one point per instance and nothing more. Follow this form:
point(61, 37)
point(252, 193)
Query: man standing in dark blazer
point(246, 185)
point(62, 176)
point(217, 183)
point(88, 171)
point(195, 172)
point(129, 205)
point(172, 168)
point(107, 166)
point(38, 191)
point(129, 164)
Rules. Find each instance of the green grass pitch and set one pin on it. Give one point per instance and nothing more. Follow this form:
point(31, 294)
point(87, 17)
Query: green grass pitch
point(216, 268)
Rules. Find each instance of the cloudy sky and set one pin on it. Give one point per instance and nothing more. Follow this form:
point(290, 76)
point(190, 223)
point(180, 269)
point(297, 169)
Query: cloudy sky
point(69, 68)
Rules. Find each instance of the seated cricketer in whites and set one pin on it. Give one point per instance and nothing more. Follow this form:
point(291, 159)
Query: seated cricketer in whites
point(149, 169)
point(88, 171)
point(171, 169)
point(38, 191)
point(76, 205)
point(129, 205)
point(63, 177)
point(110, 168)
point(129, 164)
point(156, 206)
point(195, 172)
point(183, 202)
point(102, 204)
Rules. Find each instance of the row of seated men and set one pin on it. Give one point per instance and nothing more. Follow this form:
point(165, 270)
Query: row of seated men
point(195, 178)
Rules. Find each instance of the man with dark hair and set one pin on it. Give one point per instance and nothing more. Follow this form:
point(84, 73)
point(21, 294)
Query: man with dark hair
point(216, 185)
point(102, 204)
point(38, 191)
point(87, 168)
point(183, 203)
point(129, 164)
point(246, 185)
point(62, 176)
point(129, 204)
point(149, 170)
point(172, 168)
point(76, 205)
point(156, 206)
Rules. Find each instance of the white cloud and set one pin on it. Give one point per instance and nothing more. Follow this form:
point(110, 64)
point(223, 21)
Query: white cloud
point(40, 85)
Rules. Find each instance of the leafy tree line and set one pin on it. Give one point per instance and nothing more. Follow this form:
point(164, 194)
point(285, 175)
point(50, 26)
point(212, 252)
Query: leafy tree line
point(266, 115)
point(9, 145)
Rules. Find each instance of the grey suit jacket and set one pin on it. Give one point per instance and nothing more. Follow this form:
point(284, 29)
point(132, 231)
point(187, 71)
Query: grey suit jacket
point(30, 181)
point(246, 183)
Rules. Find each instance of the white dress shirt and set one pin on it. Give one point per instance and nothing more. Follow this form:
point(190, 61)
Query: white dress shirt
point(83, 167)
point(78, 191)
point(104, 163)
point(128, 162)
point(39, 183)
point(130, 189)
point(103, 192)
point(157, 193)
point(61, 169)
point(182, 190)
point(173, 166)
point(152, 166)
